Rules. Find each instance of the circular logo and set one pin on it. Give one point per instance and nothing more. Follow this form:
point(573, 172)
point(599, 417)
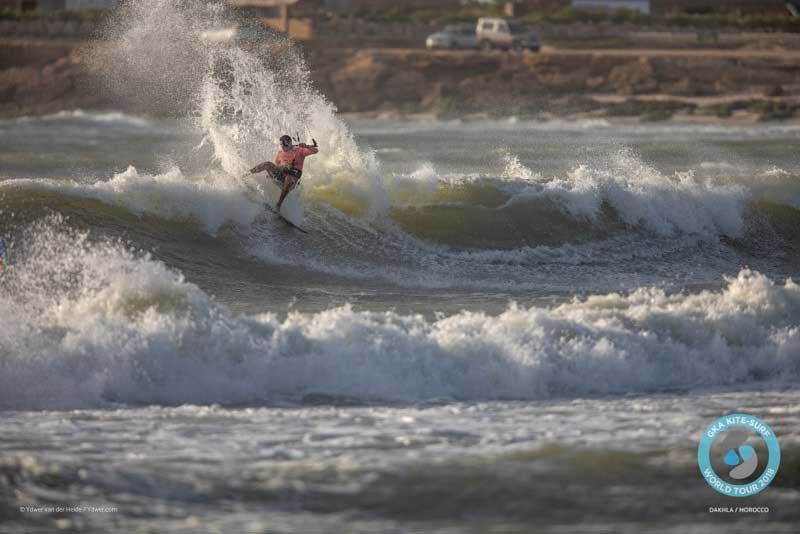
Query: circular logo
point(739, 455)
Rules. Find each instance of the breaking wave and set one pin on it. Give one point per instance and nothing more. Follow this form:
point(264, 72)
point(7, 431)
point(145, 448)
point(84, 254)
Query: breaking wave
point(87, 323)
point(210, 202)
point(112, 118)
point(640, 195)
point(517, 209)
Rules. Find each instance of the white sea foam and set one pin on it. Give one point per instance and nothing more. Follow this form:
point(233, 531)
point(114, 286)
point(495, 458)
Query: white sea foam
point(115, 118)
point(209, 202)
point(418, 186)
point(640, 195)
point(778, 186)
point(84, 324)
point(515, 170)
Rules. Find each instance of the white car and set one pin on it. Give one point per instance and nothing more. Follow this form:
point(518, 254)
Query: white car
point(453, 37)
point(506, 34)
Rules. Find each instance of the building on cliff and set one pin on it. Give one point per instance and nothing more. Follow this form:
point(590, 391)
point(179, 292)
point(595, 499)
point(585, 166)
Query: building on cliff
point(642, 6)
point(698, 7)
point(275, 14)
point(57, 5)
point(17, 5)
point(659, 7)
point(749, 7)
point(348, 6)
point(77, 5)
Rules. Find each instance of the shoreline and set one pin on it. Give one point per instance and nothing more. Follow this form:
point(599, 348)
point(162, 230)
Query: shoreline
point(739, 119)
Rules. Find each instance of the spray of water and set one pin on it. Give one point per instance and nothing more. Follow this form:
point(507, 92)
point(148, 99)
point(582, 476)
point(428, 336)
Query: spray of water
point(238, 95)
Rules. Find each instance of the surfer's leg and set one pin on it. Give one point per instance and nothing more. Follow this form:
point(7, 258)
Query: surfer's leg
point(294, 181)
point(261, 167)
point(289, 182)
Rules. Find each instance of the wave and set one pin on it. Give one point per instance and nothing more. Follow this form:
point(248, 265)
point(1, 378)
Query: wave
point(112, 118)
point(519, 208)
point(150, 210)
point(210, 202)
point(384, 126)
point(87, 323)
point(640, 195)
point(593, 200)
point(505, 233)
point(472, 211)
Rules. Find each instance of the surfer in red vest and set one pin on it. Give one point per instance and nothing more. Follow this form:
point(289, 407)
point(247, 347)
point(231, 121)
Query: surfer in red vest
point(288, 166)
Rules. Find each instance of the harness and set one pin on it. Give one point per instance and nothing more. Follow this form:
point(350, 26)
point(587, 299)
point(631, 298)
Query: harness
point(294, 171)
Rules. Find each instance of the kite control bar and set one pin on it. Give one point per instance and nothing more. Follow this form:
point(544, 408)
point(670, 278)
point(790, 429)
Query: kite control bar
point(297, 138)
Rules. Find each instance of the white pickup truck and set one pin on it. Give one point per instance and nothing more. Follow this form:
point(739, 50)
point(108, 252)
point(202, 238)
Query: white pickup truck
point(505, 34)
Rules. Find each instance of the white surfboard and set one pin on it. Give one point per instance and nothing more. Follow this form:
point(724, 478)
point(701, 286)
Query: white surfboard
point(291, 211)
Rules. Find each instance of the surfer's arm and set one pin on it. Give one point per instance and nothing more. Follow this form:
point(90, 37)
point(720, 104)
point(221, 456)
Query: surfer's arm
point(308, 150)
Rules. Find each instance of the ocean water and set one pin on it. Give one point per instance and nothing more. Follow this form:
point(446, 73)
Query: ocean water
point(497, 326)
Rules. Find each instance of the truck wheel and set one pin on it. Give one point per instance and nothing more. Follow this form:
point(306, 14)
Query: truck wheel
point(486, 45)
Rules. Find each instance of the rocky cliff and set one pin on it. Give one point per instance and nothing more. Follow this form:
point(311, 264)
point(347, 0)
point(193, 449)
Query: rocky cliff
point(47, 77)
point(513, 83)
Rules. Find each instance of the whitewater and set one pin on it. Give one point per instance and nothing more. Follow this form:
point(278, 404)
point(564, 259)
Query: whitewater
point(504, 317)
point(127, 329)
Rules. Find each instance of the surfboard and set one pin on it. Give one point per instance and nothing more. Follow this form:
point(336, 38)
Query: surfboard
point(284, 219)
point(273, 171)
